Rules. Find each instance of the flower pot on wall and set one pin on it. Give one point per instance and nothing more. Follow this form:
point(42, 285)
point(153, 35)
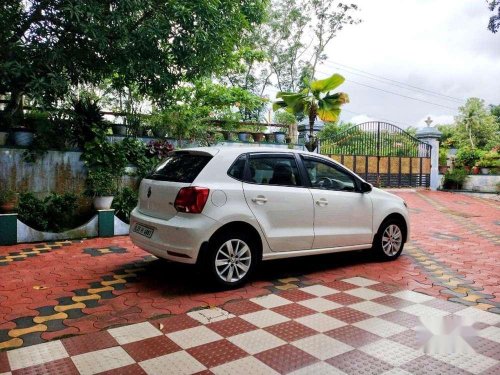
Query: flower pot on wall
point(3, 137)
point(227, 135)
point(119, 129)
point(23, 137)
point(103, 203)
point(443, 169)
point(270, 137)
point(258, 136)
point(243, 136)
point(475, 170)
point(280, 137)
point(485, 170)
point(7, 207)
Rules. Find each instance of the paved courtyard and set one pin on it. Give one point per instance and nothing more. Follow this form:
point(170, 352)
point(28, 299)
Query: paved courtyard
point(116, 307)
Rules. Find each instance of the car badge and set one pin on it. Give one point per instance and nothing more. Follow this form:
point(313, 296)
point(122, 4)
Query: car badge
point(149, 192)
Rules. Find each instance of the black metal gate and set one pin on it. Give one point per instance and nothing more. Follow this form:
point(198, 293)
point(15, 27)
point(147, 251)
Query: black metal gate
point(383, 154)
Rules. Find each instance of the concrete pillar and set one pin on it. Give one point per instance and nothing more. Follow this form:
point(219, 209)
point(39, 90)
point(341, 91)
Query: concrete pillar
point(431, 136)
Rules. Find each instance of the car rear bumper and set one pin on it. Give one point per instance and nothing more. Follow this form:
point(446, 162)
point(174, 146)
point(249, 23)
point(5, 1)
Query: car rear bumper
point(178, 239)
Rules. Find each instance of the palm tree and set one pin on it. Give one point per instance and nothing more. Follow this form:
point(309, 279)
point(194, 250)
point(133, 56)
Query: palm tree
point(315, 100)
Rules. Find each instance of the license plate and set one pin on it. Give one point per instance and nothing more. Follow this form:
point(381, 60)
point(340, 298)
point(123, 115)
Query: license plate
point(143, 230)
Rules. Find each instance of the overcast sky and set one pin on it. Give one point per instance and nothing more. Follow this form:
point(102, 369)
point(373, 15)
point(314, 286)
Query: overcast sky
point(437, 45)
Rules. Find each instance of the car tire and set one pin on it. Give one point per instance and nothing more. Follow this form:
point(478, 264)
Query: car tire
point(389, 240)
point(232, 258)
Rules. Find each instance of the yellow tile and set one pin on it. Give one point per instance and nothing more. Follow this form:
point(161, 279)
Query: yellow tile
point(472, 297)
point(288, 280)
point(85, 298)
point(104, 251)
point(43, 319)
point(286, 286)
point(78, 305)
point(12, 343)
point(461, 290)
point(23, 331)
point(99, 290)
point(484, 306)
point(118, 281)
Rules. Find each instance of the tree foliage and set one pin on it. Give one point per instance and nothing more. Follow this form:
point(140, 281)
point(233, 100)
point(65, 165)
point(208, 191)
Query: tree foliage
point(475, 125)
point(494, 23)
point(48, 46)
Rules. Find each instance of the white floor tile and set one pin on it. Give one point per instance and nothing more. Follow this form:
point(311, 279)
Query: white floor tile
point(206, 316)
point(319, 290)
point(318, 368)
point(371, 308)
point(491, 333)
point(36, 354)
point(270, 301)
point(409, 295)
point(134, 332)
point(478, 315)
point(264, 318)
point(320, 322)
point(424, 311)
point(474, 363)
point(244, 366)
point(392, 352)
point(257, 341)
point(380, 327)
point(320, 304)
point(102, 360)
point(322, 347)
point(191, 337)
point(178, 363)
point(360, 281)
point(365, 293)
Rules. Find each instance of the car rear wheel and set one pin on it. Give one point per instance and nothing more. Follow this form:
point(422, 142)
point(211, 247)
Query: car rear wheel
point(232, 259)
point(389, 241)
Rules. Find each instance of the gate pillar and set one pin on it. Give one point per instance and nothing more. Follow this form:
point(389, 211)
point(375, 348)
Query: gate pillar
point(432, 136)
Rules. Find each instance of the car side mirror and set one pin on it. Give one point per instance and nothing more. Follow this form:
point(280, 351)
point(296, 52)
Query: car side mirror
point(366, 187)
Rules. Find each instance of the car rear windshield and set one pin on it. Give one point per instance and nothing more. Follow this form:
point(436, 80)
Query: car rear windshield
point(180, 167)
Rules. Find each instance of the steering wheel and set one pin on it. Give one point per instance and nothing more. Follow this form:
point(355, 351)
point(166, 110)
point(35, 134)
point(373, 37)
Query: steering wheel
point(326, 182)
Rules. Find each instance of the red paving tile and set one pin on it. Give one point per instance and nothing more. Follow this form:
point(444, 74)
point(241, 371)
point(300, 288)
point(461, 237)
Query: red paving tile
point(162, 288)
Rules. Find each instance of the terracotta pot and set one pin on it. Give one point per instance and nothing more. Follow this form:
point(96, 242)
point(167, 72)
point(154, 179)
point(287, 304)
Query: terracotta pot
point(443, 169)
point(103, 203)
point(258, 136)
point(270, 137)
point(7, 207)
point(475, 170)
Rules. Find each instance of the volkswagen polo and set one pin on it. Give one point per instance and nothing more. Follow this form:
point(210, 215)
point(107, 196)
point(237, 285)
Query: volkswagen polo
point(229, 208)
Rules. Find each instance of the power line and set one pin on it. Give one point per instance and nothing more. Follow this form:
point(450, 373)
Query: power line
point(370, 75)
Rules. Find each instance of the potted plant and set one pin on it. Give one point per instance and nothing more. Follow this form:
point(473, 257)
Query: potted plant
point(119, 129)
point(244, 135)
point(4, 130)
point(280, 136)
point(102, 185)
point(443, 160)
point(455, 178)
point(489, 162)
point(258, 136)
point(467, 157)
point(7, 200)
point(270, 137)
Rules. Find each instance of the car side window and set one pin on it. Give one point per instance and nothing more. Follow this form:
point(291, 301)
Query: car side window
point(326, 176)
point(237, 170)
point(273, 170)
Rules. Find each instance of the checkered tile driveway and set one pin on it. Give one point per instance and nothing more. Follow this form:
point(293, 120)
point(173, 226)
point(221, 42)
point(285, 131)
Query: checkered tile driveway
point(349, 326)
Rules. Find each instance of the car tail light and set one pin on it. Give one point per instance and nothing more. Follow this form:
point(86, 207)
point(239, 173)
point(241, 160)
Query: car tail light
point(191, 199)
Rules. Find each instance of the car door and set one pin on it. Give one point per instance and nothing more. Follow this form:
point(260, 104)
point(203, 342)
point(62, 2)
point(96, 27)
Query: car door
point(342, 214)
point(282, 205)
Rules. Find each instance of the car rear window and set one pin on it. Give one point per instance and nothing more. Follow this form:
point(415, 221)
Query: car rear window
point(180, 167)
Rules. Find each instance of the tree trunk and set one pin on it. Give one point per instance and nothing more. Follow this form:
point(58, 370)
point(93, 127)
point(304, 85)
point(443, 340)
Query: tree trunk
point(14, 111)
point(312, 118)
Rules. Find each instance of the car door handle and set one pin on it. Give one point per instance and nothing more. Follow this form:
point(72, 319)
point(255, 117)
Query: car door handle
point(259, 199)
point(322, 202)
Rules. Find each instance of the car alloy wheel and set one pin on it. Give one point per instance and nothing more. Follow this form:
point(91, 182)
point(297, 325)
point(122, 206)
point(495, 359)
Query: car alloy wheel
point(392, 239)
point(233, 260)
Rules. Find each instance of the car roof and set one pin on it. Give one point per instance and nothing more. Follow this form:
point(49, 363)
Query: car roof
point(244, 149)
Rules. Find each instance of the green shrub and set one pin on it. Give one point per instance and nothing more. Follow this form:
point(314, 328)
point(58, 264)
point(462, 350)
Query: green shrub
point(101, 182)
point(443, 156)
point(467, 157)
point(54, 213)
point(490, 159)
point(455, 178)
point(124, 203)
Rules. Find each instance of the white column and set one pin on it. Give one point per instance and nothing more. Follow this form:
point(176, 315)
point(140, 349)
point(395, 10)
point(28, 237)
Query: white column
point(431, 136)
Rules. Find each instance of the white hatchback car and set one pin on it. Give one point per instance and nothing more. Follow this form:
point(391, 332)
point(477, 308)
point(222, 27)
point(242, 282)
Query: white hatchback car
point(229, 208)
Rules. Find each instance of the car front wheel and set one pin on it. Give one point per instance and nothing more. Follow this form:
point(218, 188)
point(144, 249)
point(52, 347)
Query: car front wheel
point(389, 241)
point(232, 259)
